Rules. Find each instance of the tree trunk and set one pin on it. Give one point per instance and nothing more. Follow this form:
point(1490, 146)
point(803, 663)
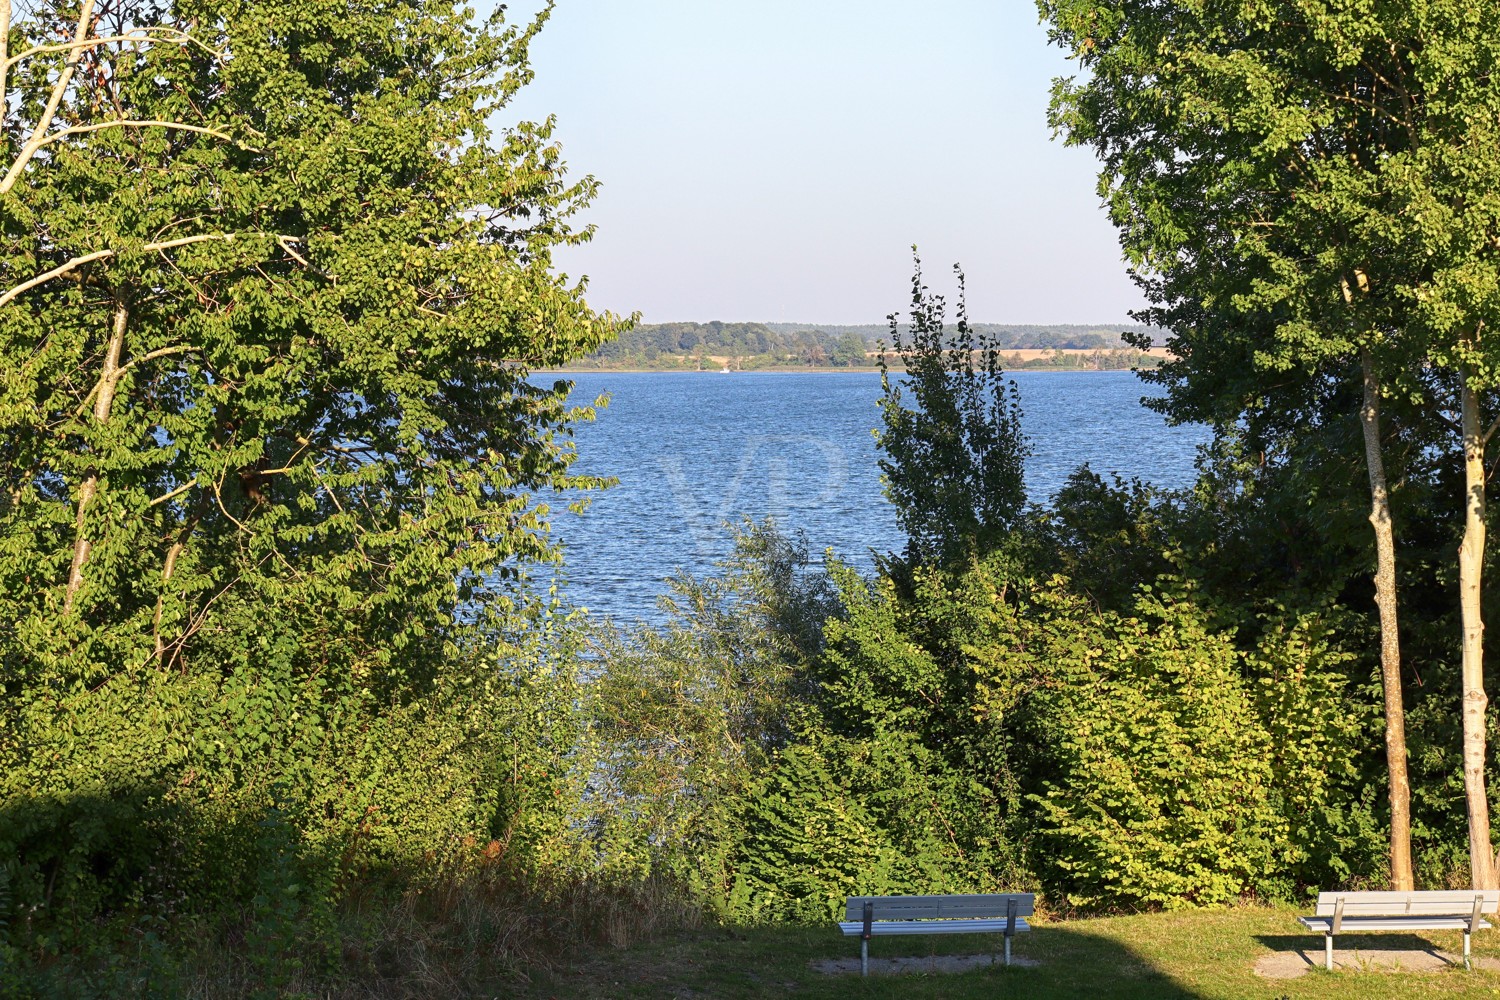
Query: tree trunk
point(104, 399)
point(1470, 570)
point(1399, 787)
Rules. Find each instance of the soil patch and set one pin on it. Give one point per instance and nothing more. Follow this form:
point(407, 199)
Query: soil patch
point(1293, 964)
point(924, 963)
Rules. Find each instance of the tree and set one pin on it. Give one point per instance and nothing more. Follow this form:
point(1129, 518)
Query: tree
point(273, 288)
point(953, 461)
point(849, 351)
point(1300, 190)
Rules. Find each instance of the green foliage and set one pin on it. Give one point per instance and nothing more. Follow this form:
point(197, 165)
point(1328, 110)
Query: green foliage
point(165, 796)
point(775, 774)
point(921, 785)
point(1105, 538)
point(322, 406)
point(1306, 193)
point(270, 505)
point(1157, 786)
point(953, 460)
point(837, 817)
point(1319, 736)
point(688, 715)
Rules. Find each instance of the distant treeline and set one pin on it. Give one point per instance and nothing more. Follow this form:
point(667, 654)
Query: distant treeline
point(1009, 336)
point(760, 345)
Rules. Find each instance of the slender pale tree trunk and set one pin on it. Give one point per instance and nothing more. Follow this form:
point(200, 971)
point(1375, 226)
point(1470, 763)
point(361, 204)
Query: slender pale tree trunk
point(1470, 574)
point(5, 16)
point(104, 401)
point(1399, 788)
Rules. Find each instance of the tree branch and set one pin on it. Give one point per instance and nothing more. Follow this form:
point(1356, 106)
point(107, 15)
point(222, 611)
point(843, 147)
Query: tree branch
point(163, 352)
point(137, 123)
point(179, 491)
point(89, 258)
point(158, 34)
point(5, 12)
point(44, 122)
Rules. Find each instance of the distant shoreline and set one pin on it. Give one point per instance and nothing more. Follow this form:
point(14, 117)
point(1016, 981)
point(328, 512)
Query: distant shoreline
point(794, 371)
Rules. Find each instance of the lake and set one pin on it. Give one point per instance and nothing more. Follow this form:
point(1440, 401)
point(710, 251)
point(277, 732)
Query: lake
point(694, 450)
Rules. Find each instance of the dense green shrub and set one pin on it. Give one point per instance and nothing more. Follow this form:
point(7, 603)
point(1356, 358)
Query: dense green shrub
point(1157, 786)
point(838, 817)
point(161, 796)
point(1322, 742)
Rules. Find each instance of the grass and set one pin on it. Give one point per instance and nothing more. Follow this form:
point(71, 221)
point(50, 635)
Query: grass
point(476, 939)
point(1187, 956)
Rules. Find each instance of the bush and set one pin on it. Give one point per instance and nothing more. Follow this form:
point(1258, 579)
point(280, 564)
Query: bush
point(1158, 786)
point(837, 817)
point(163, 797)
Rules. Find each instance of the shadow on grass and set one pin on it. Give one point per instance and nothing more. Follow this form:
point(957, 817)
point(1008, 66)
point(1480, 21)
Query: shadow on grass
point(746, 963)
point(1076, 962)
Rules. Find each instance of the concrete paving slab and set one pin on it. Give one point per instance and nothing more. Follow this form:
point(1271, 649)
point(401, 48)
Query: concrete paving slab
point(1301, 961)
point(924, 963)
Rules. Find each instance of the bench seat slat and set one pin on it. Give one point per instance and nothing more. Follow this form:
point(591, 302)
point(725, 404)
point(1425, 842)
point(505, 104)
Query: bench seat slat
point(1414, 922)
point(855, 928)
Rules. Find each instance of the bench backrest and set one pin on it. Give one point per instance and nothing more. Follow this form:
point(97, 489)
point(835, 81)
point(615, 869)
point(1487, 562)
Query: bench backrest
point(942, 907)
point(1417, 904)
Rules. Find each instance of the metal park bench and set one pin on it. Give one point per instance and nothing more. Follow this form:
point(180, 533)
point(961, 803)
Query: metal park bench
point(1345, 912)
point(995, 913)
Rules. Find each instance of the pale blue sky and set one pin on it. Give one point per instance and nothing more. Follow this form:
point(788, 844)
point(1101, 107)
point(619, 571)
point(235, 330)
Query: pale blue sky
point(775, 160)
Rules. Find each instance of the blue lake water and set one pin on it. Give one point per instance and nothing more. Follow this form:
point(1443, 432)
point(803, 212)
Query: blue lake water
point(694, 450)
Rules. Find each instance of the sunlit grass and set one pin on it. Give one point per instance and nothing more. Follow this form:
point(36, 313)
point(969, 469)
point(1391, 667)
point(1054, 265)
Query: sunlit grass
point(479, 940)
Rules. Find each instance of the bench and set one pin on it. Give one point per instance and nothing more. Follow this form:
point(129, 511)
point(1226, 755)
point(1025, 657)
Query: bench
point(992, 913)
point(1341, 912)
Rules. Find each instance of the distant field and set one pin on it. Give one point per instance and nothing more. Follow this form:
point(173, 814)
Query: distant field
point(1073, 359)
point(1032, 354)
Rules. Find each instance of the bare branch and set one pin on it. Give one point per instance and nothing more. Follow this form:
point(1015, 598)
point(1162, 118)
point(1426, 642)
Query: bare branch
point(162, 352)
point(157, 34)
point(73, 130)
point(56, 272)
point(285, 242)
point(89, 258)
point(179, 491)
point(1491, 431)
point(44, 122)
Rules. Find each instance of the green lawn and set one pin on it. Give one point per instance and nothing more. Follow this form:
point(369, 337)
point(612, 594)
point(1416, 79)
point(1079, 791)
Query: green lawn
point(1206, 955)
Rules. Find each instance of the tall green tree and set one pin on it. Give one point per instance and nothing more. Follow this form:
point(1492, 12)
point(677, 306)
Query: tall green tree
point(1301, 189)
point(273, 285)
point(952, 440)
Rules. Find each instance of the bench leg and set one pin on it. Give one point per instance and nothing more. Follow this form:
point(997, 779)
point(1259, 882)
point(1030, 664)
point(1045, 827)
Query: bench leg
point(864, 956)
point(1328, 951)
point(1007, 950)
point(1466, 950)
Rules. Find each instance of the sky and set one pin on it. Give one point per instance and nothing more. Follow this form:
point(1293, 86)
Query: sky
point(776, 160)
